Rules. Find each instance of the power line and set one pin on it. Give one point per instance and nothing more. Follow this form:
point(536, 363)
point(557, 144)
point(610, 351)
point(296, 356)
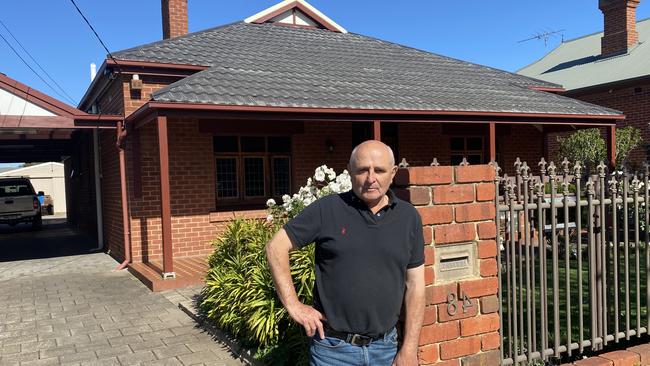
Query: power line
point(36, 62)
point(96, 35)
point(26, 64)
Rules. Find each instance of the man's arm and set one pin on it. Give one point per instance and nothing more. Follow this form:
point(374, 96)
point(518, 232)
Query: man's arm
point(414, 300)
point(277, 254)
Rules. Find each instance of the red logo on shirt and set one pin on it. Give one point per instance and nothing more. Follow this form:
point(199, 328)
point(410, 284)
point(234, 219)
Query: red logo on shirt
point(343, 231)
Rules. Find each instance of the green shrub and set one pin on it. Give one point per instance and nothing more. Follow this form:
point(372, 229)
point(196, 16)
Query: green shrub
point(588, 146)
point(240, 298)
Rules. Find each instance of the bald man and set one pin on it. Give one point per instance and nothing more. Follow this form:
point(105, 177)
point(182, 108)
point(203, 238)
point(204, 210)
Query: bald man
point(369, 262)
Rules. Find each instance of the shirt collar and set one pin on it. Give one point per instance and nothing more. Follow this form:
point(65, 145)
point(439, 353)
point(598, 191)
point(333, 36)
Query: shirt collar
point(392, 199)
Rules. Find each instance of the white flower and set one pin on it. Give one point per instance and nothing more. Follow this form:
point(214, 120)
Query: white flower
point(270, 202)
point(331, 175)
point(319, 175)
point(269, 218)
point(334, 187)
point(286, 198)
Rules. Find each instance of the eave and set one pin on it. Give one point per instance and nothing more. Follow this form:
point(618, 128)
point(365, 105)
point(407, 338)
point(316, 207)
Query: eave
point(151, 109)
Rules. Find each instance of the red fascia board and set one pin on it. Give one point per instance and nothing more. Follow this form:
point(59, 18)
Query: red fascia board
point(55, 122)
point(302, 8)
point(151, 107)
point(38, 98)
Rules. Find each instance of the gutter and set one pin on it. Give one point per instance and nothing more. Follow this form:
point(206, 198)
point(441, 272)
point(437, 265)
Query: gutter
point(388, 115)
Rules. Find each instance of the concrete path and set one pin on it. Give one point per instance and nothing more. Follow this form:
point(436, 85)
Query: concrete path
point(75, 310)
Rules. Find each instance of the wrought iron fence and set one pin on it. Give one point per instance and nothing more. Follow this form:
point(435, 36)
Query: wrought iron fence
point(574, 260)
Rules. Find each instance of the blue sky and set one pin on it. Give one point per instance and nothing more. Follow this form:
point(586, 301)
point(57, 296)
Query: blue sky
point(485, 32)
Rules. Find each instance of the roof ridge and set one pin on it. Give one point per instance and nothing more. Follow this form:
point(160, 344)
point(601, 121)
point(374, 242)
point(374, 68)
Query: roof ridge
point(599, 32)
point(522, 77)
point(185, 36)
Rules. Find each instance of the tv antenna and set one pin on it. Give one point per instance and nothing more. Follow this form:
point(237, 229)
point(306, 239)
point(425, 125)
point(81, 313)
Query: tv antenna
point(545, 35)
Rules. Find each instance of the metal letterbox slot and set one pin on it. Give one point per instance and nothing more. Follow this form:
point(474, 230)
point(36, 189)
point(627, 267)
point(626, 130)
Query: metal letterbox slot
point(453, 263)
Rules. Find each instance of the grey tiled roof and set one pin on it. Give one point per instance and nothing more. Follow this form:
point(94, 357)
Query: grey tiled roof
point(277, 66)
point(577, 63)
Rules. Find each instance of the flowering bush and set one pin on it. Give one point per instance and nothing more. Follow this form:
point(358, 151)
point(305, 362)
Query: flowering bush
point(324, 182)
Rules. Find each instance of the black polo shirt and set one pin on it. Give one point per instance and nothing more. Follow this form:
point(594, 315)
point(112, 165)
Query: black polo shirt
point(361, 259)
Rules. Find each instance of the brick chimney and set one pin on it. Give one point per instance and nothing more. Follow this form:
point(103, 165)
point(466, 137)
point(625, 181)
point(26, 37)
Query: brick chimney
point(174, 18)
point(620, 26)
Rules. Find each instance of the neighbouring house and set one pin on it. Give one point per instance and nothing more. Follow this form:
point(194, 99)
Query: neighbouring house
point(218, 121)
point(608, 68)
point(46, 177)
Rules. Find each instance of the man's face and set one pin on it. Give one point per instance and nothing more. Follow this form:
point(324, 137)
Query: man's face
point(372, 172)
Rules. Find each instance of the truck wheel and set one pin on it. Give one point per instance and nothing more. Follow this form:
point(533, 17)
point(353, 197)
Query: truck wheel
point(37, 222)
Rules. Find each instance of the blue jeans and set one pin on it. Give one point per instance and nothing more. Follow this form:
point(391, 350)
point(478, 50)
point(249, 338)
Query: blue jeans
point(335, 352)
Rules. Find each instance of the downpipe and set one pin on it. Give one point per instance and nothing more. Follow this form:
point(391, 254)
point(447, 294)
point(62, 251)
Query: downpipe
point(121, 136)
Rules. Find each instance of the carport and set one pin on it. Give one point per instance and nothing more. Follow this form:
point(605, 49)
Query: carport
point(35, 127)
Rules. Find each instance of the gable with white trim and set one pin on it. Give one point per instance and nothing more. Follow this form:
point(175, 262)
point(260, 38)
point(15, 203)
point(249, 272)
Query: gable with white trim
point(13, 105)
point(296, 13)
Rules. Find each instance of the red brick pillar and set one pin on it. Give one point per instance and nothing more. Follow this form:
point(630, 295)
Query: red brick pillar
point(461, 325)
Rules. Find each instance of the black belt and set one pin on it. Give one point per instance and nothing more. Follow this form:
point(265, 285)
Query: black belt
point(352, 338)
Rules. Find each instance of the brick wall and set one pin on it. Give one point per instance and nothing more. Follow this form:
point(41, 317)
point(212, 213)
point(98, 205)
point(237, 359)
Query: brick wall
point(195, 222)
point(634, 102)
point(457, 205)
point(111, 194)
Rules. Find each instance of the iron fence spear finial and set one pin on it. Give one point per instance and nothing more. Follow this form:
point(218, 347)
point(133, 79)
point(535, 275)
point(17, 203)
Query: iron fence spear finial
point(601, 169)
point(577, 169)
point(636, 184)
point(552, 170)
point(613, 186)
point(542, 166)
point(524, 168)
point(565, 166)
point(565, 187)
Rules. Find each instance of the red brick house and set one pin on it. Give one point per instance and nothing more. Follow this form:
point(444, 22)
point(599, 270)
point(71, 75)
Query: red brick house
point(218, 121)
point(608, 68)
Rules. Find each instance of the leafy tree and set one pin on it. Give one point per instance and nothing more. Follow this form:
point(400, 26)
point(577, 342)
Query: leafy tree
point(588, 146)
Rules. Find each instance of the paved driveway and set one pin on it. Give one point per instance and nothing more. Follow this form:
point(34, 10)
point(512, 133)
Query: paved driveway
point(75, 310)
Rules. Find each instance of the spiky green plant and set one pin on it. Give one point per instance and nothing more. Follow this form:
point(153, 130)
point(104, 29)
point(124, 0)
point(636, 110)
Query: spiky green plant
point(239, 295)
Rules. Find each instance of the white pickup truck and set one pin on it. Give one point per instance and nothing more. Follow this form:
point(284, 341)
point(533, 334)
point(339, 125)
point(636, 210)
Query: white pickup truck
point(19, 203)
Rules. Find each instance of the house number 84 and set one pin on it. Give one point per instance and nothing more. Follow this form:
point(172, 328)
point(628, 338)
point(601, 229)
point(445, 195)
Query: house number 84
point(452, 303)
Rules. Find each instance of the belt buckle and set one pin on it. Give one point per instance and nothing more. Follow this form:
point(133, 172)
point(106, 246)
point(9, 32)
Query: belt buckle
point(360, 340)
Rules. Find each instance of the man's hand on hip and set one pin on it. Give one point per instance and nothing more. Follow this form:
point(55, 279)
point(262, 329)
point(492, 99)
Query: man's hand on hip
point(406, 358)
point(310, 318)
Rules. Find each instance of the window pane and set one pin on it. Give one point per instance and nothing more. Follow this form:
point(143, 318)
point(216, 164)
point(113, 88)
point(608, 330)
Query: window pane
point(474, 159)
point(389, 136)
point(253, 144)
point(281, 176)
point(254, 177)
point(280, 144)
point(474, 143)
point(457, 143)
point(225, 144)
point(456, 159)
point(361, 131)
point(227, 178)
